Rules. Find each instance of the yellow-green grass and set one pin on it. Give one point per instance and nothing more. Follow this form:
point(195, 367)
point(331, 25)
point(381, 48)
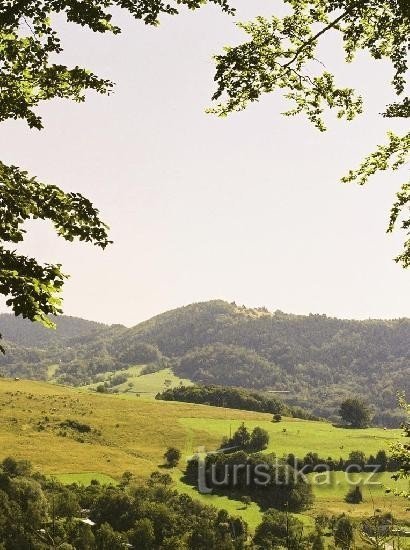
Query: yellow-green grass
point(134, 431)
point(330, 497)
point(301, 436)
point(152, 383)
point(251, 514)
point(132, 434)
point(85, 478)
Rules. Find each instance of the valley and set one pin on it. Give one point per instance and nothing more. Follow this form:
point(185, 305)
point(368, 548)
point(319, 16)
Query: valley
point(129, 433)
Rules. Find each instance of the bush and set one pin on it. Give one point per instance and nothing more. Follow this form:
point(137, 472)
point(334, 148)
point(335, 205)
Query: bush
point(172, 456)
point(354, 495)
point(118, 379)
point(277, 418)
point(75, 425)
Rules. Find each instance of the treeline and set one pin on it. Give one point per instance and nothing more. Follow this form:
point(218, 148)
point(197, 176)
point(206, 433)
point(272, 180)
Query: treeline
point(232, 398)
point(312, 462)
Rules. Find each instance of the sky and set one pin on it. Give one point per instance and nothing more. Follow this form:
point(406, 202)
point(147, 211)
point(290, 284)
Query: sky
point(248, 209)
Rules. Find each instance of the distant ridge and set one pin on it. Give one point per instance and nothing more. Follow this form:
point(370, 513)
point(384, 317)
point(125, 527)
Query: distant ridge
point(318, 359)
point(25, 333)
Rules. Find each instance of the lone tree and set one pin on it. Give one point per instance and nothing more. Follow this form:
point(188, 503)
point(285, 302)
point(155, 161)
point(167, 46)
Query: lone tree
point(355, 412)
point(172, 456)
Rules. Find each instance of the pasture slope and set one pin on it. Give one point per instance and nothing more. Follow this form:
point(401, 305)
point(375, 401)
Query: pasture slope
point(131, 433)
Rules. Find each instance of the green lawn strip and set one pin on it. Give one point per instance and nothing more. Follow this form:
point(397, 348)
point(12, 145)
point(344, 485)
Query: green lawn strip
point(85, 478)
point(301, 436)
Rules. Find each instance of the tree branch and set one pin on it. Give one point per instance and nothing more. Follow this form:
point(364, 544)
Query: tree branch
point(314, 38)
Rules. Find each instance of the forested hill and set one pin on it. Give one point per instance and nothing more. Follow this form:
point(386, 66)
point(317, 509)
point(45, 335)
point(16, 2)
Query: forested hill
point(25, 333)
point(318, 359)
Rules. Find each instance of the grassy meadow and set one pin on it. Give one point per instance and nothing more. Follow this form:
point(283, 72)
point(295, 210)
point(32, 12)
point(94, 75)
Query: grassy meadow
point(142, 383)
point(296, 436)
point(132, 433)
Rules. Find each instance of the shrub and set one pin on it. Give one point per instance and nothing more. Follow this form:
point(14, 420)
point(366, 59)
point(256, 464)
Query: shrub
point(172, 456)
point(75, 425)
point(354, 495)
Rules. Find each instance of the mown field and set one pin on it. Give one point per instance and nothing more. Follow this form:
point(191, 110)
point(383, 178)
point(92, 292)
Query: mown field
point(301, 436)
point(132, 433)
point(138, 383)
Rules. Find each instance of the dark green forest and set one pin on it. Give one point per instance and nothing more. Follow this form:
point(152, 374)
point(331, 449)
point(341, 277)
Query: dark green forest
point(319, 360)
point(37, 513)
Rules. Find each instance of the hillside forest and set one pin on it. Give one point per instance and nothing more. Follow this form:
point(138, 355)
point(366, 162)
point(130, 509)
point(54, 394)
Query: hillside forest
point(315, 361)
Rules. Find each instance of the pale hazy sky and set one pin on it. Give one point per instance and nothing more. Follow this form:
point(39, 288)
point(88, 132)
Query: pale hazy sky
point(248, 208)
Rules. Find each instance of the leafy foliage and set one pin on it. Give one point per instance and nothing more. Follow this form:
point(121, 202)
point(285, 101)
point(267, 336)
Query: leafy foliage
point(237, 473)
point(401, 451)
point(172, 456)
point(281, 54)
point(344, 533)
point(355, 412)
point(227, 364)
point(279, 51)
point(232, 398)
point(252, 442)
point(391, 156)
point(33, 289)
point(29, 45)
point(40, 513)
point(29, 75)
point(279, 530)
point(222, 396)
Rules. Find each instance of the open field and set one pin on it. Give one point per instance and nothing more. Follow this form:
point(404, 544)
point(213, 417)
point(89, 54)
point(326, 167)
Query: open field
point(144, 383)
point(301, 436)
point(132, 433)
point(129, 433)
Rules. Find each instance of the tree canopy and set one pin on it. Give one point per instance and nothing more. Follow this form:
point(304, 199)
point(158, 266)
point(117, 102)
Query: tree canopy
point(355, 412)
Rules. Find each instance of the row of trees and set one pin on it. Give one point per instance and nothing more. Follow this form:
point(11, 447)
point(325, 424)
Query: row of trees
point(233, 398)
point(311, 461)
